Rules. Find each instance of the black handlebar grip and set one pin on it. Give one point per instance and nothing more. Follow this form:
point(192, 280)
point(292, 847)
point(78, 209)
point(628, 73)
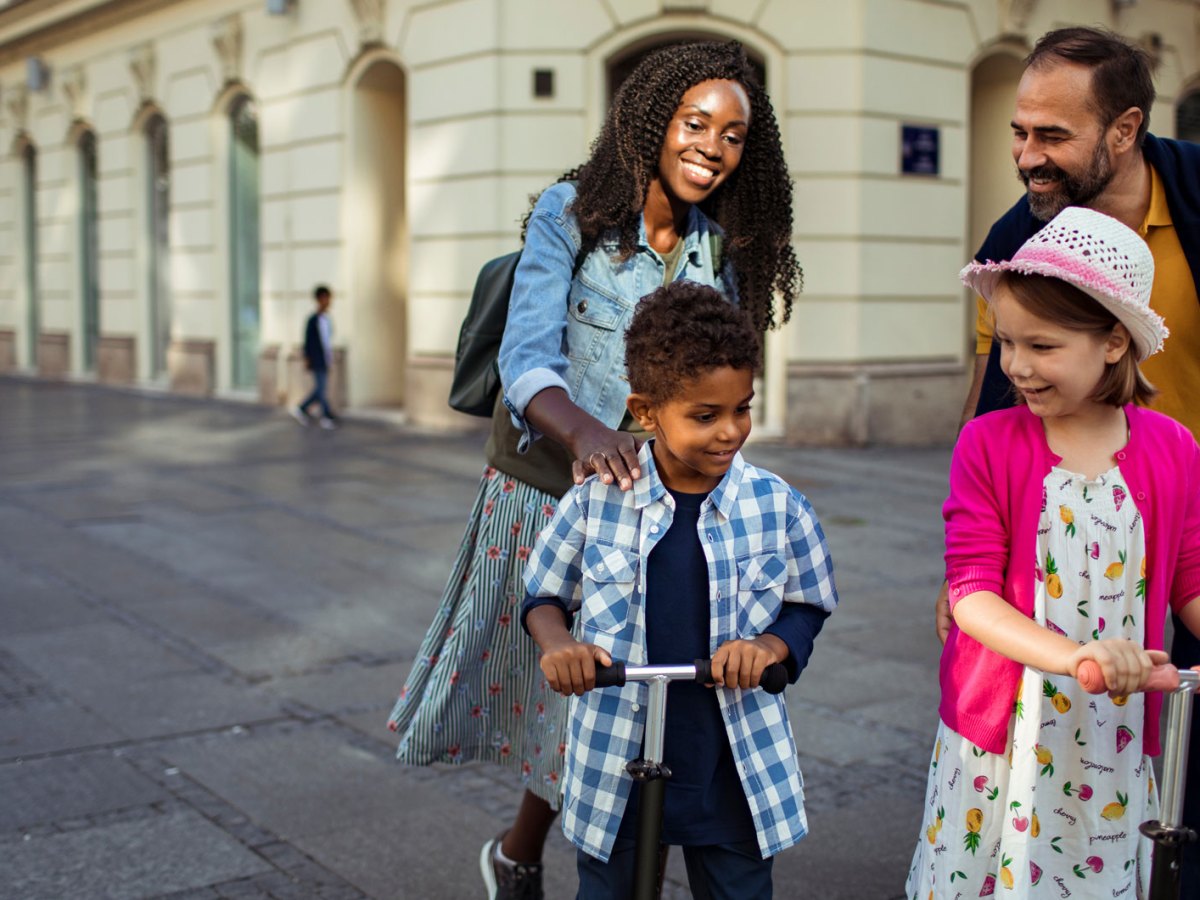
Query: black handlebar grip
point(611, 676)
point(773, 680)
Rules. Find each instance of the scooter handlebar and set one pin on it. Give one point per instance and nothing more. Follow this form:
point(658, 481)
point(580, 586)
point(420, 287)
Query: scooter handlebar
point(1164, 677)
point(773, 680)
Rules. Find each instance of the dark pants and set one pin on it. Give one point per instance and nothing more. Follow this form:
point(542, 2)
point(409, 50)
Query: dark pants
point(717, 872)
point(1185, 653)
point(320, 382)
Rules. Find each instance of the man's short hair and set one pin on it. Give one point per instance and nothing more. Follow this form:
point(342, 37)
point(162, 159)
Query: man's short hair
point(1120, 70)
point(682, 331)
point(320, 291)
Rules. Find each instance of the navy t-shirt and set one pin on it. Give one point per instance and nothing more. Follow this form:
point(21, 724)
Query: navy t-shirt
point(704, 803)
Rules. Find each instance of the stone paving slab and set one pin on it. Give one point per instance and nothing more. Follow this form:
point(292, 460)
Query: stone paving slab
point(33, 602)
point(256, 770)
point(149, 857)
point(346, 688)
point(51, 725)
point(179, 703)
point(46, 791)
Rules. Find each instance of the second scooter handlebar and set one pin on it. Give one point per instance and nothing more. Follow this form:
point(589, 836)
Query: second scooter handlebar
point(773, 680)
point(1163, 677)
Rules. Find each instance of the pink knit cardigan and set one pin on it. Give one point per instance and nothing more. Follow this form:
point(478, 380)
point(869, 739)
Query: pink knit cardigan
point(996, 477)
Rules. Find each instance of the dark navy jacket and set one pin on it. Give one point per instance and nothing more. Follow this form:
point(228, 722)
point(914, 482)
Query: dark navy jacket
point(314, 350)
point(1177, 163)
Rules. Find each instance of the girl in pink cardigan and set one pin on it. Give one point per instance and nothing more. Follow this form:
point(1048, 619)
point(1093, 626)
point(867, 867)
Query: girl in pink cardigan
point(1073, 521)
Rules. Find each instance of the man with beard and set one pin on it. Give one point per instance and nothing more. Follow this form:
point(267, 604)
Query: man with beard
point(1080, 139)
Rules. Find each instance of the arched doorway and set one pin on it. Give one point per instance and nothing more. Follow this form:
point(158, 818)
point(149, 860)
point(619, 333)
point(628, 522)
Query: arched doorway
point(156, 274)
point(1187, 117)
point(376, 227)
point(244, 241)
point(992, 186)
point(89, 261)
point(622, 64)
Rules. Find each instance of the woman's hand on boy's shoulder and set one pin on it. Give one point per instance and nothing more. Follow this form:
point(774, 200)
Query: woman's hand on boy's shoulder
point(609, 454)
point(740, 663)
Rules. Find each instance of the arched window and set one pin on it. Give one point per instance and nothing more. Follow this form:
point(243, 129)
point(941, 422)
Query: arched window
point(1187, 118)
point(244, 240)
point(89, 263)
point(30, 240)
point(157, 274)
point(622, 65)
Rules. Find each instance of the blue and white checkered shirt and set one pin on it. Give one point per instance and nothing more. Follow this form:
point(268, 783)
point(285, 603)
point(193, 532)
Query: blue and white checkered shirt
point(764, 547)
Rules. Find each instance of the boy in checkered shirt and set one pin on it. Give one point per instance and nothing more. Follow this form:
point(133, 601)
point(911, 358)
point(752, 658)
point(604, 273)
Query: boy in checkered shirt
point(706, 556)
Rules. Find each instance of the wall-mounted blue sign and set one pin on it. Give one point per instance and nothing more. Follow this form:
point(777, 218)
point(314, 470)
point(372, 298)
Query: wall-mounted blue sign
point(919, 150)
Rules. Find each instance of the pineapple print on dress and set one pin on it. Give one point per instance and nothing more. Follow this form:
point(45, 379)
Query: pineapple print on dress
point(974, 824)
point(1057, 698)
point(1053, 580)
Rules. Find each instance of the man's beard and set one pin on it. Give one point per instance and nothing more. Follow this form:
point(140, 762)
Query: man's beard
point(1072, 190)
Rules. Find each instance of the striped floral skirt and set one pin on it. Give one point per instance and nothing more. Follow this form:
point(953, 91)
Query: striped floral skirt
point(475, 691)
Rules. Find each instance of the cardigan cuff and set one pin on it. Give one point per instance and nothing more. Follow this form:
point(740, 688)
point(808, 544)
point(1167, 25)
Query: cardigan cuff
point(1184, 592)
point(971, 581)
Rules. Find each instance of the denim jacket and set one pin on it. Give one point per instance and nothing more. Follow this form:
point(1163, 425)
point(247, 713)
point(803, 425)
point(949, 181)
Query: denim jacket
point(570, 332)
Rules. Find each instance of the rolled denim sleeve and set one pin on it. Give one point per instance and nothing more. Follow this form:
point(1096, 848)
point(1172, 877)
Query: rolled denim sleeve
point(533, 353)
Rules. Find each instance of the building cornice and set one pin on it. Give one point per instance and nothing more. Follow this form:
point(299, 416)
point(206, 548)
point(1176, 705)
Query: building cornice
point(30, 27)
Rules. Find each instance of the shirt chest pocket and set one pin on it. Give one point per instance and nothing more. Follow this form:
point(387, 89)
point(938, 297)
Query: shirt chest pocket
point(761, 579)
point(610, 576)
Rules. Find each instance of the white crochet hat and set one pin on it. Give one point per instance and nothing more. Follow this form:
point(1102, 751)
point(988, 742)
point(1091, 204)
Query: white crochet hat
point(1097, 254)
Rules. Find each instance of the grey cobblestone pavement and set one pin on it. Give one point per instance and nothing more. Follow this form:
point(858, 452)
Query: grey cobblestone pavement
point(208, 611)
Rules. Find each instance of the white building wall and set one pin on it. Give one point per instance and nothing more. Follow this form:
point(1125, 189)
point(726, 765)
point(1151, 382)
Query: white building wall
point(879, 341)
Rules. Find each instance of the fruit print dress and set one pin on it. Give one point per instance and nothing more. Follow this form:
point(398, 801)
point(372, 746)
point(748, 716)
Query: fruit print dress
point(1058, 816)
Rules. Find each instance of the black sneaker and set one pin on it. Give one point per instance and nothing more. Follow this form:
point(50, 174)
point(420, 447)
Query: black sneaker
point(509, 881)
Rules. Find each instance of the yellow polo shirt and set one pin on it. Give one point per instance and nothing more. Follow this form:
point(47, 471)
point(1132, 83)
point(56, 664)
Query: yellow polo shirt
point(1175, 370)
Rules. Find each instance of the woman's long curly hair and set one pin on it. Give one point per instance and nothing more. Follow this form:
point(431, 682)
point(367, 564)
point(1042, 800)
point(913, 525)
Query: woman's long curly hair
point(754, 204)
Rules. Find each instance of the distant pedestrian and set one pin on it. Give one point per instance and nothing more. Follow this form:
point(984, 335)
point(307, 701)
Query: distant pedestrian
point(643, 570)
point(1072, 526)
point(318, 359)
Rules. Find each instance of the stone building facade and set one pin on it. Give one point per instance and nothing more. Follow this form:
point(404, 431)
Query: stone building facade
point(177, 175)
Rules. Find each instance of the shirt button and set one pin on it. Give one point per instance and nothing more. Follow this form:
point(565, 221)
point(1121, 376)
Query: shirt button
point(955, 592)
point(710, 537)
point(582, 307)
point(1121, 455)
point(654, 529)
point(635, 707)
point(1141, 495)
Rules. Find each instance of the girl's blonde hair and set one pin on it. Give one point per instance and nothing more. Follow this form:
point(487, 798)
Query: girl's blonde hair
point(1068, 306)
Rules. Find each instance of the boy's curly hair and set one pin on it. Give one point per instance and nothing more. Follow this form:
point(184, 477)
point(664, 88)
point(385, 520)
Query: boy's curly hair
point(682, 331)
point(753, 206)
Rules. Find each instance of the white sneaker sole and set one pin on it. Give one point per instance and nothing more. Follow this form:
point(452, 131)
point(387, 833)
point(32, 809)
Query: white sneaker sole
point(487, 870)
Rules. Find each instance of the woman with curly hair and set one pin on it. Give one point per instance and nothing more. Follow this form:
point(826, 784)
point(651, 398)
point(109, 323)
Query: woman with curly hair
point(686, 180)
